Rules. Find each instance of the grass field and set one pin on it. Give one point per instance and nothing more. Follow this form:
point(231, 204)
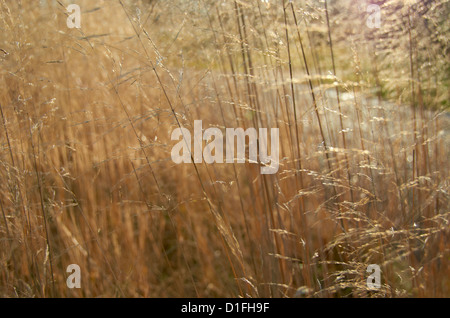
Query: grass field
point(85, 159)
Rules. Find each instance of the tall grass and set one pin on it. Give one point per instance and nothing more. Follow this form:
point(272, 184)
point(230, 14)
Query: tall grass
point(87, 176)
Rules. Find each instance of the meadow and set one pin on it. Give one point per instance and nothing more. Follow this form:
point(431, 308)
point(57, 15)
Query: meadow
point(85, 160)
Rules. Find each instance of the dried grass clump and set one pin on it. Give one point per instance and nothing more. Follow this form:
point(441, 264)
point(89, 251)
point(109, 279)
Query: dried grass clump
point(86, 118)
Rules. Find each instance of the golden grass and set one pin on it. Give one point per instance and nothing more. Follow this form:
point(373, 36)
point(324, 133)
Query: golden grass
point(87, 176)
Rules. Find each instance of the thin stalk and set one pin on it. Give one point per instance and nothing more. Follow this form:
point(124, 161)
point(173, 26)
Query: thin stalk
point(344, 142)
